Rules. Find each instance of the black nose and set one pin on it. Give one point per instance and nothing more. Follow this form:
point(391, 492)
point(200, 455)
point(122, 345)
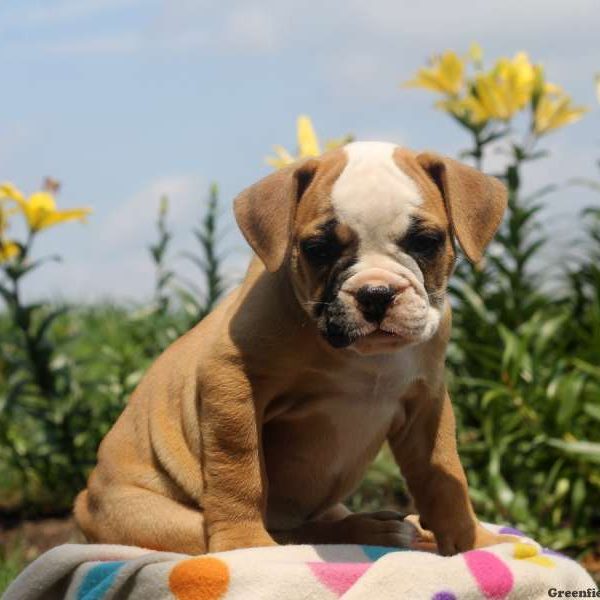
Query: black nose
point(374, 301)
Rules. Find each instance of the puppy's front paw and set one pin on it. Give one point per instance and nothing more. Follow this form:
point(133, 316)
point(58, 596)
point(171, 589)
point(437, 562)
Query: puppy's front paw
point(239, 536)
point(383, 528)
point(454, 541)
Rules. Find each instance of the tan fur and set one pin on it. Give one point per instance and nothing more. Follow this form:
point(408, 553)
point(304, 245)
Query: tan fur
point(251, 428)
point(475, 204)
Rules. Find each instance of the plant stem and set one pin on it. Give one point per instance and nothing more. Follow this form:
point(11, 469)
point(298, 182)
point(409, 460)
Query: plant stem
point(478, 150)
point(36, 354)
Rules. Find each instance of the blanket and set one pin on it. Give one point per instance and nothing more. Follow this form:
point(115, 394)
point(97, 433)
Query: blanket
point(520, 570)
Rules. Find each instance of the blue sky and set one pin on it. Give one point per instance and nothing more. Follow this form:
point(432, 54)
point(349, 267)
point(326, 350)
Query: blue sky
point(124, 100)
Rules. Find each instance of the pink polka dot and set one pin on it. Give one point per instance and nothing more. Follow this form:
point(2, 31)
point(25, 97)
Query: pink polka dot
point(339, 577)
point(493, 577)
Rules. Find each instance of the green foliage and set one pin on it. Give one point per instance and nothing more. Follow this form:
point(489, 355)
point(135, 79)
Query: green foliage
point(66, 373)
point(37, 408)
point(525, 379)
point(11, 564)
point(198, 301)
point(524, 373)
point(158, 252)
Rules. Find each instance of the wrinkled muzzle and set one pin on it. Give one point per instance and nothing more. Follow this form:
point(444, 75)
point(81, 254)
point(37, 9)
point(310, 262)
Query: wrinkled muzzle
point(379, 300)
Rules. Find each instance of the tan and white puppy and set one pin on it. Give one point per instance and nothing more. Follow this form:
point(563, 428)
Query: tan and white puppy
point(257, 424)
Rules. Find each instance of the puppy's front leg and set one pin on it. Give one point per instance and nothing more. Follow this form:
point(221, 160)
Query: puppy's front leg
point(340, 526)
point(234, 497)
point(425, 449)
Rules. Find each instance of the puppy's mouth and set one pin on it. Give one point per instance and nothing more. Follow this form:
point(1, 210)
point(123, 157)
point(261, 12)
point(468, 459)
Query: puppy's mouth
point(343, 338)
point(407, 319)
point(394, 330)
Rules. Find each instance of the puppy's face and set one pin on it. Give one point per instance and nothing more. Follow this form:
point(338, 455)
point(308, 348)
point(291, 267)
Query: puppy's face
point(371, 255)
point(367, 235)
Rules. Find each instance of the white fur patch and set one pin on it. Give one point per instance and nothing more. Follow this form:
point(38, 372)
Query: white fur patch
point(374, 197)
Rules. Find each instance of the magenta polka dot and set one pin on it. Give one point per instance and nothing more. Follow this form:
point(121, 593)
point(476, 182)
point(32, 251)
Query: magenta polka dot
point(339, 577)
point(493, 577)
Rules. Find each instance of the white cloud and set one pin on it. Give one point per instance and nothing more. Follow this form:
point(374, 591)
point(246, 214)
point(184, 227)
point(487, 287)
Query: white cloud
point(125, 43)
point(84, 280)
point(360, 73)
point(133, 221)
point(241, 27)
point(249, 28)
point(116, 262)
point(74, 10)
point(463, 19)
point(177, 28)
point(379, 26)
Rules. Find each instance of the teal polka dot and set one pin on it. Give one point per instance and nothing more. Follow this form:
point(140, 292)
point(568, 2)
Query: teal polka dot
point(98, 580)
point(376, 552)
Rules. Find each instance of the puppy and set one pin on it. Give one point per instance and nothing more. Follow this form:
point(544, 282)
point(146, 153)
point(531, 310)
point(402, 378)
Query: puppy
point(255, 426)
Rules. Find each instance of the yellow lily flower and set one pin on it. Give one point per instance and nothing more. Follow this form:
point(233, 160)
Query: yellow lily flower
point(8, 190)
point(500, 93)
point(468, 109)
point(40, 210)
point(8, 250)
point(488, 99)
point(337, 142)
point(509, 87)
point(445, 75)
point(541, 86)
point(515, 80)
point(3, 218)
point(554, 111)
point(494, 98)
point(308, 145)
point(281, 159)
point(476, 54)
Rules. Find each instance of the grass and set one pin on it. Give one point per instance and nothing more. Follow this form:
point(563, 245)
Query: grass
point(11, 564)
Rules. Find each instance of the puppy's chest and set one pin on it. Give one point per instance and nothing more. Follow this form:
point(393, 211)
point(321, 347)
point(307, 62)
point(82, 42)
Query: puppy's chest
point(341, 402)
point(318, 447)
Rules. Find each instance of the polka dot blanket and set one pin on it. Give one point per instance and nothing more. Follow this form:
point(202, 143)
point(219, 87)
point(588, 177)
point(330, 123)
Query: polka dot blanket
point(520, 570)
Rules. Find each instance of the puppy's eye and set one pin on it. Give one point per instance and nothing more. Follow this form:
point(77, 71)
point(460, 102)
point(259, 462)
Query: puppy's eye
point(424, 244)
point(320, 251)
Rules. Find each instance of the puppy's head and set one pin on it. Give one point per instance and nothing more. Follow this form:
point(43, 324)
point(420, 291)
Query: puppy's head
point(367, 235)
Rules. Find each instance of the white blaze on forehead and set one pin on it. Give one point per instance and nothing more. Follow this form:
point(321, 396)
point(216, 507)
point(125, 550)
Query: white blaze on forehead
point(373, 196)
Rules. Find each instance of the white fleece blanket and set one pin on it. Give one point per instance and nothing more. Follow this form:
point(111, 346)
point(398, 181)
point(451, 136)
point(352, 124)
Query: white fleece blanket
point(521, 570)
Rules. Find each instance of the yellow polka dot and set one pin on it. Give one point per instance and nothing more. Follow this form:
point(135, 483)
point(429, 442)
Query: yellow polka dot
point(532, 554)
point(525, 550)
point(204, 578)
point(542, 561)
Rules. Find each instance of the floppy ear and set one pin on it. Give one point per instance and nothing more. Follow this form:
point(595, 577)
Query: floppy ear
point(475, 203)
point(265, 211)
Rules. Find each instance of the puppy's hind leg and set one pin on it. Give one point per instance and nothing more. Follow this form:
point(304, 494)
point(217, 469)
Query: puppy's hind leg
point(138, 517)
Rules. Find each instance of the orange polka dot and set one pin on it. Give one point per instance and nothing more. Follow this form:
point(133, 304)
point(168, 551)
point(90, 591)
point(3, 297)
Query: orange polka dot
point(204, 578)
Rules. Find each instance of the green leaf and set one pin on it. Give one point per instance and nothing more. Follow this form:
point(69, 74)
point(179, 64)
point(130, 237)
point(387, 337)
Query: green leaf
point(578, 495)
point(593, 410)
point(586, 450)
point(47, 322)
point(568, 393)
